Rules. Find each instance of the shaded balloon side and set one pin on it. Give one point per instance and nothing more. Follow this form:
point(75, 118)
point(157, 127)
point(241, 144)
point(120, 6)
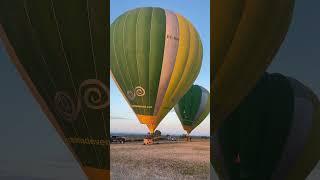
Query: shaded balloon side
point(246, 37)
point(59, 49)
point(273, 133)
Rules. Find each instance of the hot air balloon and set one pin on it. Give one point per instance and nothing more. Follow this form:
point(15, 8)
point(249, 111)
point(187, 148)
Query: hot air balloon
point(273, 134)
point(155, 57)
point(59, 49)
point(246, 36)
point(193, 107)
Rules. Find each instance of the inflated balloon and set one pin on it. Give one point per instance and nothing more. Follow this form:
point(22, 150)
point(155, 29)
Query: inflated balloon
point(59, 49)
point(246, 36)
point(273, 134)
point(193, 107)
point(155, 57)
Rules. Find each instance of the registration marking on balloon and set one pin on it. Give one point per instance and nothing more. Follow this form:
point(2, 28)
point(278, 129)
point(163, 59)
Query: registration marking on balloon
point(92, 92)
point(172, 37)
point(141, 106)
point(86, 141)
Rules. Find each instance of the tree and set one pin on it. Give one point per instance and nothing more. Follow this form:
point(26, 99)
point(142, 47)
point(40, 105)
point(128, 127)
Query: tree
point(157, 133)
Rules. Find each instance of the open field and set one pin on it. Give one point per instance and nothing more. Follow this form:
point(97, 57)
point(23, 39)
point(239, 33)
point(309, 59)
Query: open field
point(167, 160)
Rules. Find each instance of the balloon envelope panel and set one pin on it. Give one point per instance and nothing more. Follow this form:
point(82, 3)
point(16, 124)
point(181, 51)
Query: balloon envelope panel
point(156, 55)
point(193, 107)
point(273, 131)
point(59, 49)
point(246, 36)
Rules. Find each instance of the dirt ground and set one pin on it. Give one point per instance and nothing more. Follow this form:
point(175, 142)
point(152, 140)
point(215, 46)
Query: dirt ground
point(167, 160)
point(315, 174)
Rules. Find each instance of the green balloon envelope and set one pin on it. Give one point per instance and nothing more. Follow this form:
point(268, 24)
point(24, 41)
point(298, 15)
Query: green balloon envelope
point(193, 107)
point(273, 133)
point(60, 50)
point(155, 56)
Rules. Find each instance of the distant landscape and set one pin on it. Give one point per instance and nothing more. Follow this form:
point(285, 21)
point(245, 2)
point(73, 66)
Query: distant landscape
point(140, 136)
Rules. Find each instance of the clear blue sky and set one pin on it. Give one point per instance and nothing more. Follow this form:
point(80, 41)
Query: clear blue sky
point(122, 117)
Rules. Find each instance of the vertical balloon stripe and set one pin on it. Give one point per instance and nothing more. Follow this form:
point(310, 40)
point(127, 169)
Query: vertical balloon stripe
point(186, 49)
point(116, 70)
point(194, 73)
point(122, 32)
point(177, 110)
point(227, 16)
point(185, 107)
point(181, 61)
point(121, 65)
point(299, 131)
point(203, 103)
point(309, 157)
point(298, 135)
point(169, 56)
point(196, 94)
point(129, 42)
point(157, 41)
point(189, 105)
point(119, 48)
point(192, 62)
point(204, 113)
point(197, 67)
point(188, 84)
point(141, 52)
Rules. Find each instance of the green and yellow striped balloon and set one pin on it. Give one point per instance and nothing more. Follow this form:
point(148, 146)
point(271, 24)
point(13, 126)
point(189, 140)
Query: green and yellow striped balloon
point(193, 107)
point(155, 57)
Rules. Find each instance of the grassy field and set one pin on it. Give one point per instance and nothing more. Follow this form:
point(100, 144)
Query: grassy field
point(167, 160)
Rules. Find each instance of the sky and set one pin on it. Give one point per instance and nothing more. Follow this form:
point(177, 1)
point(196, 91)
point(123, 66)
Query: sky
point(299, 55)
point(23, 124)
point(123, 119)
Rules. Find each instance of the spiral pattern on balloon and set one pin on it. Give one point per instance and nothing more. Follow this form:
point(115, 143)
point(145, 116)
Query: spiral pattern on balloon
point(139, 91)
point(65, 106)
point(94, 93)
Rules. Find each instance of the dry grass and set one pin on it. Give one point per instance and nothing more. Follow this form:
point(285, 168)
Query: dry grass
point(167, 160)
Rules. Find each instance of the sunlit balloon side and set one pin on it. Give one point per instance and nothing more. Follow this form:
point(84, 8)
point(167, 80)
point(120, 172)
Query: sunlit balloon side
point(193, 107)
point(156, 55)
point(59, 49)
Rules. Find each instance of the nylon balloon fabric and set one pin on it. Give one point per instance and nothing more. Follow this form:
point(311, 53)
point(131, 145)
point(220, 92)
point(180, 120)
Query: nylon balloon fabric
point(156, 55)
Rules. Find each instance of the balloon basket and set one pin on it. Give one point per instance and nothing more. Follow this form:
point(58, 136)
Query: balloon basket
point(187, 139)
point(147, 141)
